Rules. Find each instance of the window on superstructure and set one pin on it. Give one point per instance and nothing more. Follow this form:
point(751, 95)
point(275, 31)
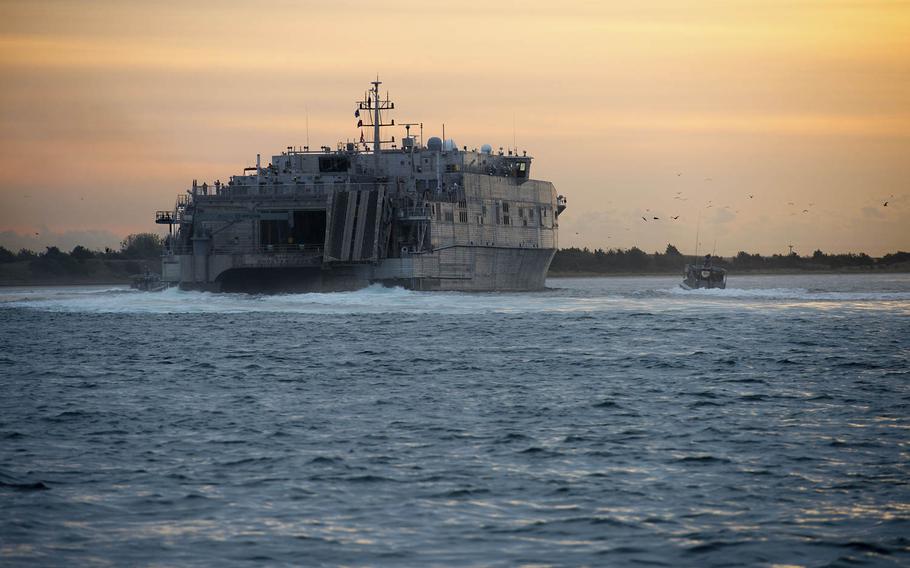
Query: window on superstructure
point(462, 216)
point(522, 170)
point(334, 163)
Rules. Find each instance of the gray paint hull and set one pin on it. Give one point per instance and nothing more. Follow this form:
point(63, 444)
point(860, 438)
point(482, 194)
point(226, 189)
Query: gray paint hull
point(460, 268)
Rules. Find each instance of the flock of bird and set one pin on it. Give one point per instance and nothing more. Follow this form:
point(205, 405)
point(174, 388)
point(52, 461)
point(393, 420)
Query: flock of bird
point(653, 216)
point(679, 196)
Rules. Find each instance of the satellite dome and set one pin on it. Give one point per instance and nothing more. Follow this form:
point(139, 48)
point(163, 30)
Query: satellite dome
point(486, 149)
point(434, 143)
point(449, 145)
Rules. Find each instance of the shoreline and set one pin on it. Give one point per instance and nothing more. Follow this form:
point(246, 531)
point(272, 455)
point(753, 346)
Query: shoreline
point(770, 272)
point(43, 284)
point(126, 282)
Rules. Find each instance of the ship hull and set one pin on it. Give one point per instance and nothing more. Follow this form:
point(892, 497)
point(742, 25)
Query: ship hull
point(462, 268)
point(482, 269)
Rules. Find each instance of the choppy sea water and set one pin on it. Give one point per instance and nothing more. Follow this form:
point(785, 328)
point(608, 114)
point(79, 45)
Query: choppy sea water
point(612, 421)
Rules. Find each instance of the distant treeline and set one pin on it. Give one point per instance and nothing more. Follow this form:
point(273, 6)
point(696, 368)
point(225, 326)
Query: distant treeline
point(142, 251)
point(635, 260)
point(137, 253)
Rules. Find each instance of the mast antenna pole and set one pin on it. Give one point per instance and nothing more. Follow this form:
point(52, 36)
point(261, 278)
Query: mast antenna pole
point(376, 123)
point(307, 111)
point(697, 229)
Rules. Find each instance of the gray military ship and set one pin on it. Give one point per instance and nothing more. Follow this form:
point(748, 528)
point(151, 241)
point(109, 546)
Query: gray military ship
point(423, 216)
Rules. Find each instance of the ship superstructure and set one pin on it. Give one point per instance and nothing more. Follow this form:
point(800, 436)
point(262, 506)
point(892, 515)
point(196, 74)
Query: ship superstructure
point(424, 216)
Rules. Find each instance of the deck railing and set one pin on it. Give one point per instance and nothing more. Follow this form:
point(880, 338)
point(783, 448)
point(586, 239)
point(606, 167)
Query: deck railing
point(298, 249)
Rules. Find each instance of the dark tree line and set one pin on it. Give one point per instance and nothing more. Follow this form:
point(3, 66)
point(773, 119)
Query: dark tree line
point(600, 261)
point(82, 261)
point(141, 248)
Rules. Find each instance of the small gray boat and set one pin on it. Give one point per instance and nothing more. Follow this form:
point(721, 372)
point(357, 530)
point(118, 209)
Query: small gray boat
point(705, 275)
point(147, 282)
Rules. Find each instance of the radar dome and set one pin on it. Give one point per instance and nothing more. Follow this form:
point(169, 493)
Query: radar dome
point(449, 145)
point(486, 149)
point(434, 144)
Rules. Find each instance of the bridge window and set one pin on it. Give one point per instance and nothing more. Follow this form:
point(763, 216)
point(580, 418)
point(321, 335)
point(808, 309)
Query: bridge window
point(522, 171)
point(334, 163)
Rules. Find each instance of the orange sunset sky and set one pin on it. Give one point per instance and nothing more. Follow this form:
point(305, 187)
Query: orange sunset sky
point(109, 109)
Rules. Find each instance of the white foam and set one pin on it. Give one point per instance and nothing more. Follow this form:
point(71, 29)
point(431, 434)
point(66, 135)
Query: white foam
point(374, 299)
point(801, 294)
point(378, 299)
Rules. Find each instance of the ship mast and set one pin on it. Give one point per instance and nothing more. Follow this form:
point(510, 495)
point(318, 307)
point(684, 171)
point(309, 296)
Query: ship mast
point(375, 106)
point(376, 119)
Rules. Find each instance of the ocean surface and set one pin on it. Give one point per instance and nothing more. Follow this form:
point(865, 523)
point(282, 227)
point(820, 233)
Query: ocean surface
point(602, 422)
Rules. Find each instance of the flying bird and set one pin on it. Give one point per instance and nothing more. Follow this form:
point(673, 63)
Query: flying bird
point(885, 204)
point(657, 218)
point(805, 210)
point(644, 218)
point(674, 218)
point(751, 196)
